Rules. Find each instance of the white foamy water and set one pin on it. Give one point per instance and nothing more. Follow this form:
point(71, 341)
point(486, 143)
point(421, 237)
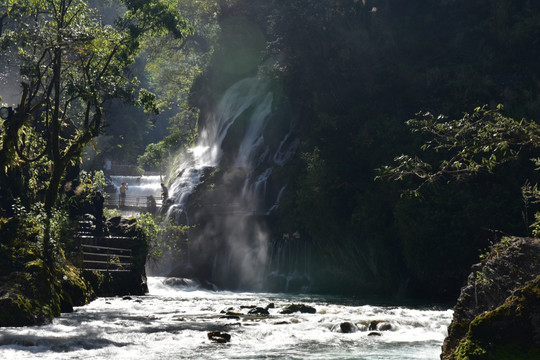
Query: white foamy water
point(139, 186)
point(172, 322)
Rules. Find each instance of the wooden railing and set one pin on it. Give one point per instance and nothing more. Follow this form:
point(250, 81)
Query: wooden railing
point(96, 253)
point(105, 258)
point(130, 201)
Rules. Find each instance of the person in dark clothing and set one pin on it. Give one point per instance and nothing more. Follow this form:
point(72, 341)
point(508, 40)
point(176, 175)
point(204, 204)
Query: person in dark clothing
point(123, 190)
point(151, 205)
point(164, 192)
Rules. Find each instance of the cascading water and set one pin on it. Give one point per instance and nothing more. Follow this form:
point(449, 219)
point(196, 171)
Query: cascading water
point(226, 185)
point(230, 245)
point(139, 186)
point(248, 94)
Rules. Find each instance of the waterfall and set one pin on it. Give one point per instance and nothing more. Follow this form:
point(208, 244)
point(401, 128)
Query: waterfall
point(289, 265)
point(287, 148)
point(250, 93)
point(139, 186)
point(227, 184)
point(253, 138)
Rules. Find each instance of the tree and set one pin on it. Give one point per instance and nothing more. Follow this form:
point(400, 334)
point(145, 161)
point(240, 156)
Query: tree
point(71, 64)
point(460, 148)
point(172, 66)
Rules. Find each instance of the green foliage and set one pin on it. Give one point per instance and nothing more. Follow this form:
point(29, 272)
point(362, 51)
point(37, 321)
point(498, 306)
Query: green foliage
point(39, 287)
point(25, 242)
point(154, 157)
point(147, 100)
point(150, 230)
point(72, 65)
point(84, 196)
point(171, 67)
point(154, 17)
point(109, 213)
point(163, 238)
point(476, 142)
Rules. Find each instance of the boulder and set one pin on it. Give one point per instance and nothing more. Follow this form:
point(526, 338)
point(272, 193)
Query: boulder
point(348, 327)
point(299, 308)
point(258, 311)
point(381, 325)
point(174, 281)
point(505, 271)
point(219, 337)
point(511, 331)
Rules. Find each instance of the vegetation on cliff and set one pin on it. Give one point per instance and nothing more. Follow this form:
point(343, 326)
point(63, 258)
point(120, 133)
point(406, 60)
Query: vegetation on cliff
point(507, 332)
point(33, 290)
point(496, 315)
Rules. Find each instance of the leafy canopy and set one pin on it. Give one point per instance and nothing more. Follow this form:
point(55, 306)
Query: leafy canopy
point(71, 64)
point(456, 149)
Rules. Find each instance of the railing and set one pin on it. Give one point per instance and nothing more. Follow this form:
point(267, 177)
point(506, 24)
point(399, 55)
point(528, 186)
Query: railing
point(137, 201)
point(95, 252)
point(105, 258)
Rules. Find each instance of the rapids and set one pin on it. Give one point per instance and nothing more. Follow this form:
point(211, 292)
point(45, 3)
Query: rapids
point(173, 320)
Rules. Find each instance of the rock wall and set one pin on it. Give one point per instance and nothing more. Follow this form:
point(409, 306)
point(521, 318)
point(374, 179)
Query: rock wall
point(498, 310)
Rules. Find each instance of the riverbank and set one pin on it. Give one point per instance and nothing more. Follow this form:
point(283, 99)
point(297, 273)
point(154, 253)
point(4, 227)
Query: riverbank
point(34, 290)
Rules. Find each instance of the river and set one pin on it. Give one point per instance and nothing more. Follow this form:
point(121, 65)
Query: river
point(173, 320)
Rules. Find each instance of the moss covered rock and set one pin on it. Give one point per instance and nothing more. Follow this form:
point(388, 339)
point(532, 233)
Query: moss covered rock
point(504, 273)
point(17, 308)
point(511, 331)
point(36, 296)
point(74, 291)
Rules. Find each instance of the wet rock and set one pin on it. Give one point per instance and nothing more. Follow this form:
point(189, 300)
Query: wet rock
point(270, 306)
point(373, 324)
point(348, 327)
point(380, 325)
point(293, 308)
point(258, 311)
point(114, 221)
point(219, 337)
point(374, 333)
point(175, 281)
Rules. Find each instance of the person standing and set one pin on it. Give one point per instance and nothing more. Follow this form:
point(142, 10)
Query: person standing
point(164, 192)
point(123, 190)
point(107, 166)
point(151, 205)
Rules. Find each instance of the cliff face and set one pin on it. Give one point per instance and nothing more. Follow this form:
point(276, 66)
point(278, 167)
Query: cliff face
point(498, 310)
